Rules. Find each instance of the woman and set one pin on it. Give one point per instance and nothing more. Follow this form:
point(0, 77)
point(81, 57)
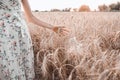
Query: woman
point(16, 51)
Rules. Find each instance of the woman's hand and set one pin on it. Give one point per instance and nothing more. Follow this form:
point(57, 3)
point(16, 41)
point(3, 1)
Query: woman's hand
point(61, 30)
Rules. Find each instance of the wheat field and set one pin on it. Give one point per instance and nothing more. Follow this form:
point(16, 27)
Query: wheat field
point(90, 52)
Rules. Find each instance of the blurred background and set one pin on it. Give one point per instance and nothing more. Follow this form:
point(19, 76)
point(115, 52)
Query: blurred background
point(74, 5)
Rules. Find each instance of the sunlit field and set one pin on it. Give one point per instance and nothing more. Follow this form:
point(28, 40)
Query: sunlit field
point(90, 52)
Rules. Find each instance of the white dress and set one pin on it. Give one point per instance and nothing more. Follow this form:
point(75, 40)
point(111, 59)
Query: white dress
point(16, 49)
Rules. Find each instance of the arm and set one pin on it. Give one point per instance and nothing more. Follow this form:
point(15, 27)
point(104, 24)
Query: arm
point(31, 18)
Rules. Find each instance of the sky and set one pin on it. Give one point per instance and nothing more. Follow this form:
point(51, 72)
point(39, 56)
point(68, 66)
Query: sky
point(43, 5)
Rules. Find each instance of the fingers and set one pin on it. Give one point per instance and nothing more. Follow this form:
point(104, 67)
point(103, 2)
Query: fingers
point(62, 30)
point(65, 29)
point(65, 32)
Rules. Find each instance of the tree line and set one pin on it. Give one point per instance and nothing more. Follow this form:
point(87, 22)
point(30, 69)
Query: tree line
point(114, 7)
point(111, 7)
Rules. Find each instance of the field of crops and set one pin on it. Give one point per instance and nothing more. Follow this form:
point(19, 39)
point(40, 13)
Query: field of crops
point(90, 52)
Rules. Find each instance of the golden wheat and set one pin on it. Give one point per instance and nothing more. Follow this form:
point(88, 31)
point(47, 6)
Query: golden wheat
point(90, 52)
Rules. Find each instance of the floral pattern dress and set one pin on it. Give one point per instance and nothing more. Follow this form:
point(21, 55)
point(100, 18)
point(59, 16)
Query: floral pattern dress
point(16, 50)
